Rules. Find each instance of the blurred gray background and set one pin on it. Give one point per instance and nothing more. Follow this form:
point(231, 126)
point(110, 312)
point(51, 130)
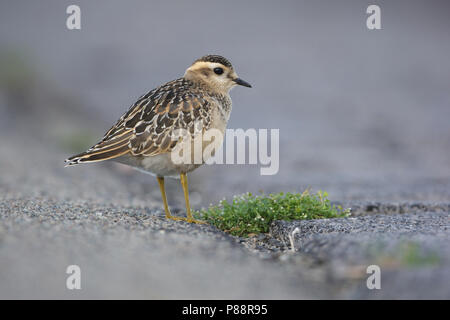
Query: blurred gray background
point(362, 113)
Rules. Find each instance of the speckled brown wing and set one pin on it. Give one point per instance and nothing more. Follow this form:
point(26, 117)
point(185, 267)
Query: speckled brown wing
point(147, 127)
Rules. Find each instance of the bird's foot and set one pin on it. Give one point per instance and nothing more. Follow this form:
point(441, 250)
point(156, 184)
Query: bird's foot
point(192, 220)
point(175, 218)
point(189, 220)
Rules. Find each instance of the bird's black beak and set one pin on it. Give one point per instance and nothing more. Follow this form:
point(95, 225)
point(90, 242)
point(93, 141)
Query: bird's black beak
point(241, 82)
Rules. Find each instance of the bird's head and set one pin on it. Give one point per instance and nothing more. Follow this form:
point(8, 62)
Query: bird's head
point(216, 72)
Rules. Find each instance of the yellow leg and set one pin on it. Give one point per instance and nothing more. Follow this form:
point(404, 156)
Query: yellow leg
point(184, 183)
point(163, 194)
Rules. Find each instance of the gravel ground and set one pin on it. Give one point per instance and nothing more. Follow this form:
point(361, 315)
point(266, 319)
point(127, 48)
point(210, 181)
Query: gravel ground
point(412, 247)
point(128, 253)
point(116, 232)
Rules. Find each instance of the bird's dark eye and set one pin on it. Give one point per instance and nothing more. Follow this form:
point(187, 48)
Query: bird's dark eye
point(218, 71)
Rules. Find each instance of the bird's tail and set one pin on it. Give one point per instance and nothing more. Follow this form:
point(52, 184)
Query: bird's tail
point(99, 152)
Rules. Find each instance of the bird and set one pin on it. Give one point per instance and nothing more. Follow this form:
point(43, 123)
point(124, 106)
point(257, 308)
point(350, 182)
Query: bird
point(143, 137)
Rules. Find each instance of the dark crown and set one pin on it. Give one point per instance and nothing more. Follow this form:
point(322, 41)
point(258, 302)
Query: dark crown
point(215, 58)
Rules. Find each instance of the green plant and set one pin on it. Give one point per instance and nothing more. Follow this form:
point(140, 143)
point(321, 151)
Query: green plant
point(248, 214)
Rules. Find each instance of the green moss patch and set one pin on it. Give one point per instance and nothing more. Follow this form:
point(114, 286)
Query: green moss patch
point(250, 214)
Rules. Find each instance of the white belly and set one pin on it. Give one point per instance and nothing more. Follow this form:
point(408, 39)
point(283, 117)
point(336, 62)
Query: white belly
point(160, 165)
